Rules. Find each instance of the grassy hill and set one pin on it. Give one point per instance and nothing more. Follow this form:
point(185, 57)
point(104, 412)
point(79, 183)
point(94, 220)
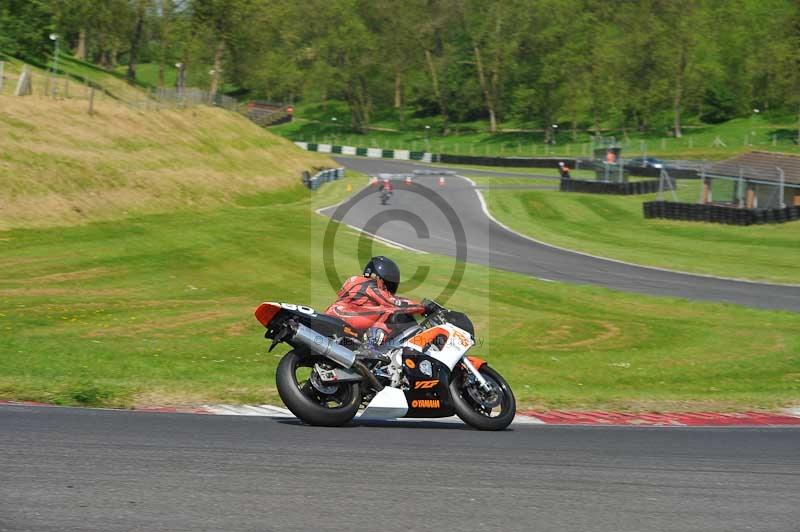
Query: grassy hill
point(59, 165)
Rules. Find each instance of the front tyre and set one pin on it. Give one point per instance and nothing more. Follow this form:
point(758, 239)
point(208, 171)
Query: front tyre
point(308, 399)
point(483, 410)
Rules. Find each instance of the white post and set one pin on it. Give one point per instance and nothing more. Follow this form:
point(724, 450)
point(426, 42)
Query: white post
point(783, 182)
point(24, 82)
point(740, 188)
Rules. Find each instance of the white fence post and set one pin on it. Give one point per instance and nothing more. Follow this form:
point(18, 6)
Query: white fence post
point(24, 82)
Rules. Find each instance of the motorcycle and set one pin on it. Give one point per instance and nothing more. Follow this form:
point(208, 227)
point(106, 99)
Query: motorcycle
point(385, 196)
point(422, 370)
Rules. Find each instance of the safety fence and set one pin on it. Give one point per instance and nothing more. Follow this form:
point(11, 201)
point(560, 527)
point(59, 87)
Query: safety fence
point(610, 187)
point(323, 176)
point(21, 79)
point(722, 214)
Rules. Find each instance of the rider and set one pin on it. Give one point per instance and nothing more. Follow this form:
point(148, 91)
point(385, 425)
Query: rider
point(367, 301)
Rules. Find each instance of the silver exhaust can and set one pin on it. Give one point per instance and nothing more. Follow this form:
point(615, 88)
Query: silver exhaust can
point(324, 346)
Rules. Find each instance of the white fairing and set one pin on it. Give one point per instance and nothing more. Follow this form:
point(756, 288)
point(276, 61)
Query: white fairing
point(458, 343)
point(388, 403)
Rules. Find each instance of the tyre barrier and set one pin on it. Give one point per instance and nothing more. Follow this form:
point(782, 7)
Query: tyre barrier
point(607, 187)
point(721, 214)
point(323, 176)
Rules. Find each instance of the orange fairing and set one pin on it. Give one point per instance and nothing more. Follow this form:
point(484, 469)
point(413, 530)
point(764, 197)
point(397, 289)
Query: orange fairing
point(265, 312)
point(477, 362)
point(428, 336)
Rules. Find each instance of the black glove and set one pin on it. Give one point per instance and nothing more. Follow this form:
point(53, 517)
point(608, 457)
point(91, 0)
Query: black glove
point(430, 306)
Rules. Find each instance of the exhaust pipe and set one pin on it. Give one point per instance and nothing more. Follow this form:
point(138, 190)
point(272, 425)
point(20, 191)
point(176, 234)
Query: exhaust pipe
point(322, 345)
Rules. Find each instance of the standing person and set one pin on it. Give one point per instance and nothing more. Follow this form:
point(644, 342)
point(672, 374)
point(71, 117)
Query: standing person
point(563, 170)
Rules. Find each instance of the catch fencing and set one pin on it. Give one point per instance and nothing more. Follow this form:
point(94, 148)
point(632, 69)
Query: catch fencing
point(23, 80)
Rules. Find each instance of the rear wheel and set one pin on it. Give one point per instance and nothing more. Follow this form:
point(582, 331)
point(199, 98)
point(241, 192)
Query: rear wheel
point(493, 410)
point(311, 400)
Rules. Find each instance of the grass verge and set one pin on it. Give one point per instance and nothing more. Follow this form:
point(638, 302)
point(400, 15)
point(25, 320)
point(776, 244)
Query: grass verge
point(614, 227)
point(157, 309)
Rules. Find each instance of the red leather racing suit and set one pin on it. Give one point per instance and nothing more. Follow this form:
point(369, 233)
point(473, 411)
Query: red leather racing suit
point(363, 303)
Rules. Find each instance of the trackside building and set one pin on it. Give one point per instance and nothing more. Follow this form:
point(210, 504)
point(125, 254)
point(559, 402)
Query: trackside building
point(751, 188)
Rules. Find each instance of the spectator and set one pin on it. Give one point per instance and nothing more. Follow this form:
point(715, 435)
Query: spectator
point(563, 170)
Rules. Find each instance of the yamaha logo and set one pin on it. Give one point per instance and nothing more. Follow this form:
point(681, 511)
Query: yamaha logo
point(425, 403)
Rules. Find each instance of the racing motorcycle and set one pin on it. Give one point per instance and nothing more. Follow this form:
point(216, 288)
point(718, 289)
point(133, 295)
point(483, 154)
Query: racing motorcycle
point(385, 196)
point(422, 370)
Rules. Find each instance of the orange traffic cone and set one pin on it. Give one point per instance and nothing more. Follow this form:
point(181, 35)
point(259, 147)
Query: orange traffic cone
point(441, 181)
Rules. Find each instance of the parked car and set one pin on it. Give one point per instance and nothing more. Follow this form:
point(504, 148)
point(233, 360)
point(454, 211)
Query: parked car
point(646, 162)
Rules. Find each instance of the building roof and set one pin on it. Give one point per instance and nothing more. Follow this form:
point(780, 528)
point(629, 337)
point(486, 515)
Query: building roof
point(758, 165)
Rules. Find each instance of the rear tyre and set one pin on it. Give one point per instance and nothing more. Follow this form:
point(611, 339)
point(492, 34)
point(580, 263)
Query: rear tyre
point(326, 406)
point(482, 410)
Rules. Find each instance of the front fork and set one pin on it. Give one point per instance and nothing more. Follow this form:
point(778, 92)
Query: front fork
point(477, 374)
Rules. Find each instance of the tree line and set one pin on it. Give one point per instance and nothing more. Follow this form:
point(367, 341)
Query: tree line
point(586, 64)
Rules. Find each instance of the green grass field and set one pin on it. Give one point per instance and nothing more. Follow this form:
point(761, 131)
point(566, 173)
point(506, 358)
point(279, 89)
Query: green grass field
point(157, 309)
point(614, 227)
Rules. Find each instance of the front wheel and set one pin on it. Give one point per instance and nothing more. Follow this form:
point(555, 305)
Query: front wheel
point(308, 398)
point(483, 410)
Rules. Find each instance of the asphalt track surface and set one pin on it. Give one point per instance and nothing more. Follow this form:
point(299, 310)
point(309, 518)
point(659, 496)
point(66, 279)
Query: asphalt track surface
point(491, 244)
point(64, 470)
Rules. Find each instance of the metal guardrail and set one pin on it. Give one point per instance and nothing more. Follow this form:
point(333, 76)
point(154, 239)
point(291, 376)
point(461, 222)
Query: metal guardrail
point(323, 176)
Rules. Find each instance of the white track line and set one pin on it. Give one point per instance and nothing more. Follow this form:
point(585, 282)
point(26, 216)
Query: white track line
point(276, 411)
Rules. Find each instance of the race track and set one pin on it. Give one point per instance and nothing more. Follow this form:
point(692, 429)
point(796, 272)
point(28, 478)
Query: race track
point(65, 470)
point(491, 244)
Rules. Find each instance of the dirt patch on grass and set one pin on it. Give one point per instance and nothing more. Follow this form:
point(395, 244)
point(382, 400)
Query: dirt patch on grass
point(611, 331)
point(558, 337)
point(238, 328)
point(161, 324)
point(79, 275)
point(66, 292)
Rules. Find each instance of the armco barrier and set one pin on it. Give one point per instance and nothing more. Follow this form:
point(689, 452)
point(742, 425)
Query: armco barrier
point(323, 176)
point(675, 173)
point(697, 212)
point(604, 187)
point(519, 162)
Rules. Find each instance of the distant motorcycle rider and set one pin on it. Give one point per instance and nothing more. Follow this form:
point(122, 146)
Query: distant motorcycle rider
point(365, 302)
point(386, 191)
